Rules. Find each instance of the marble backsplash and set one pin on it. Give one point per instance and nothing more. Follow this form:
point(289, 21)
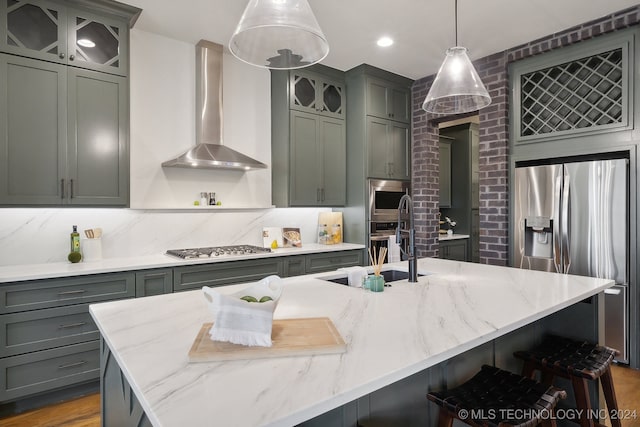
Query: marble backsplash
point(34, 236)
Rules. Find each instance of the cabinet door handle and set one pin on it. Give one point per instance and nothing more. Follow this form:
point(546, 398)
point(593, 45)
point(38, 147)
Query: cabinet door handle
point(322, 194)
point(71, 191)
point(72, 365)
point(76, 292)
point(72, 57)
point(317, 194)
point(62, 188)
point(72, 325)
point(61, 55)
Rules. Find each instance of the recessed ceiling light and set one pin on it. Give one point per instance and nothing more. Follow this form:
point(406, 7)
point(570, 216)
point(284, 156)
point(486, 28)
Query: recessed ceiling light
point(86, 43)
point(385, 41)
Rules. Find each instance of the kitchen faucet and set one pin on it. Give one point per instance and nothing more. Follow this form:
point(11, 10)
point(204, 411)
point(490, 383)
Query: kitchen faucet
point(405, 201)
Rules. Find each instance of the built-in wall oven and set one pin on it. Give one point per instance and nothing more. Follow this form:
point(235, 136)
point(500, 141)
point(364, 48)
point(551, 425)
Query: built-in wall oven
point(384, 198)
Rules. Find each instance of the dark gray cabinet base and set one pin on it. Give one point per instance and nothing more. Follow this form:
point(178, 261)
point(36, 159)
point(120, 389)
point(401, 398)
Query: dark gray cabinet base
point(49, 339)
point(119, 405)
point(457, 250)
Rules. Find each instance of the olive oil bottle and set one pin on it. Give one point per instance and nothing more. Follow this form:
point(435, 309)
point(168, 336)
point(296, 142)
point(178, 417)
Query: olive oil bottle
point(75, 255)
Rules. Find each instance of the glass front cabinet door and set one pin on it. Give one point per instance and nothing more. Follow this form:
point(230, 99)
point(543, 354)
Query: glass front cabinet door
point(317, 95)
point(50, 31)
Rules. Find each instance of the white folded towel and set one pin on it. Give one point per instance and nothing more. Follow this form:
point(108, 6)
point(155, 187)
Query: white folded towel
point(393, 250)
point(241, 322)
point(356, 275)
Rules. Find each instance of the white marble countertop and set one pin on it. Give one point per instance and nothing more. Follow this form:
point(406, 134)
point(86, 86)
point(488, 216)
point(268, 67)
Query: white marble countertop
point(452, 236)
point(408, 326)
point(16, 273)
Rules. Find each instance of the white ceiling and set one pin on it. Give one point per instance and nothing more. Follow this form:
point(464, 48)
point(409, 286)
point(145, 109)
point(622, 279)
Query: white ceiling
point(422, 29)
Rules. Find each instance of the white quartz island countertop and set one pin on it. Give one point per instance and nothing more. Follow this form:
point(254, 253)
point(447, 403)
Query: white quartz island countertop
point(390, 335)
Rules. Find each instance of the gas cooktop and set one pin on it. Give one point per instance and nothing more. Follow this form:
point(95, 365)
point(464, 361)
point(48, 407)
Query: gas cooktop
point(215, 251)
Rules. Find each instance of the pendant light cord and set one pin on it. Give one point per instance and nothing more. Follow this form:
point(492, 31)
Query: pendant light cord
point(456, 14)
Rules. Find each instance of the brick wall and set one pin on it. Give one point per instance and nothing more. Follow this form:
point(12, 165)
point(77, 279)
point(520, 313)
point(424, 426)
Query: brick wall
point(494, 141)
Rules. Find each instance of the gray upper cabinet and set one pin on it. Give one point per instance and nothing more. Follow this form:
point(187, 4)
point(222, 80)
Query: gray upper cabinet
point(97, 156)
point(55, 31)
point(388, 143)
point(387, 100)
point(581, 90)
point(64, 102)
point(308, 138)
point(70, 126)
point(318, 165)
point(316, 94)
point(445, 174)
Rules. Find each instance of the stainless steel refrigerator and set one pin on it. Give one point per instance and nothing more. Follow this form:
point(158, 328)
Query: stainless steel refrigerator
point(572, 218)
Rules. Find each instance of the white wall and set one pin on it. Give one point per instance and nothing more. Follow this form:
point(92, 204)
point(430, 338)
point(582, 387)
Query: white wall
point(162, 87)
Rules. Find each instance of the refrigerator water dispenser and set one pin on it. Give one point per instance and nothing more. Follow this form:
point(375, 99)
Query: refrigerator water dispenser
point(538, 237)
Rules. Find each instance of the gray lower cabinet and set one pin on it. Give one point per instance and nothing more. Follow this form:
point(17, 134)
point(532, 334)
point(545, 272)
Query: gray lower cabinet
point(457, 250)
point(48, 339)
point(224, 273)
point(42, 329)
point(68, 124)
point(46, 370)
point(317, 263)
point(154, 282)
point(295, 265)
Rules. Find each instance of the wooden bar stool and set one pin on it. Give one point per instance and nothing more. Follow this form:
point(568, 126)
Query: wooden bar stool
point(578, 361)
point(494, 397)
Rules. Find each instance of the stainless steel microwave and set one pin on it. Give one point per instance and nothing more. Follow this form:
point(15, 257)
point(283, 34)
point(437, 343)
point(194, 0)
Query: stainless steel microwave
point(384, 197)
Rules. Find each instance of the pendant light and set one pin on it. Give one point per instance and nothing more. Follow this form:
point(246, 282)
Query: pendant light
point(279, 34)
point(457, 87)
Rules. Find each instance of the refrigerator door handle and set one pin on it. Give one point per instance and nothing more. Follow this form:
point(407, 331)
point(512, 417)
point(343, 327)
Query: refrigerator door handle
point(557, 252)
point(566, 222)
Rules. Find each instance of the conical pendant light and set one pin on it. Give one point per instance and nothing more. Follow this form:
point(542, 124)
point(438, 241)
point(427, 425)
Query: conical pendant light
point(279, 34)
point(457, 87)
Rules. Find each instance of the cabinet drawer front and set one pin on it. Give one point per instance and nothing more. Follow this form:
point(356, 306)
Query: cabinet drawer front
point(44, 329)
point(39, 294)
point(332, 261)
point(46, 370)
point(195, 277)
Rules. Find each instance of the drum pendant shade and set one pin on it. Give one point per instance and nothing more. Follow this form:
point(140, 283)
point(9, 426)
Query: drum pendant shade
point(279, 34)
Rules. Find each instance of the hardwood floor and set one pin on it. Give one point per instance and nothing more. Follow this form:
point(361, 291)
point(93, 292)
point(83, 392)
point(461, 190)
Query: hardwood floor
point(81, 412)
point(85, 411)
point(627, 384)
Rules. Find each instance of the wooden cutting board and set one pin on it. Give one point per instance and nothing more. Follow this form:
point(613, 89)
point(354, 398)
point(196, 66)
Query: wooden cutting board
point(290, 337)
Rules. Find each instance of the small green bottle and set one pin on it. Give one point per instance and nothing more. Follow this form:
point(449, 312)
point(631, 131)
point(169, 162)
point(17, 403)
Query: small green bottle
point(75, 240)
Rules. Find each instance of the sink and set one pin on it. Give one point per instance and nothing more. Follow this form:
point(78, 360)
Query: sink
point(389, 276)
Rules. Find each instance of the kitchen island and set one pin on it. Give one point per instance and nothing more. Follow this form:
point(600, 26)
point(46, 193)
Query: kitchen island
point(390, 336)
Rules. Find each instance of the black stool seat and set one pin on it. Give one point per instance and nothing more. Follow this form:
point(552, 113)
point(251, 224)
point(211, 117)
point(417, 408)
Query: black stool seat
point(580, 362)
point(494, 397)
point(567, 357)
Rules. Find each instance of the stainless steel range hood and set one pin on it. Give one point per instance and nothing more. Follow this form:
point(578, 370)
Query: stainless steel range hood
point(209, 153)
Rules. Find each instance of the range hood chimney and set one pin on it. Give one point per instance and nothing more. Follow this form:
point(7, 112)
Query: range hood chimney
point(209, 152)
